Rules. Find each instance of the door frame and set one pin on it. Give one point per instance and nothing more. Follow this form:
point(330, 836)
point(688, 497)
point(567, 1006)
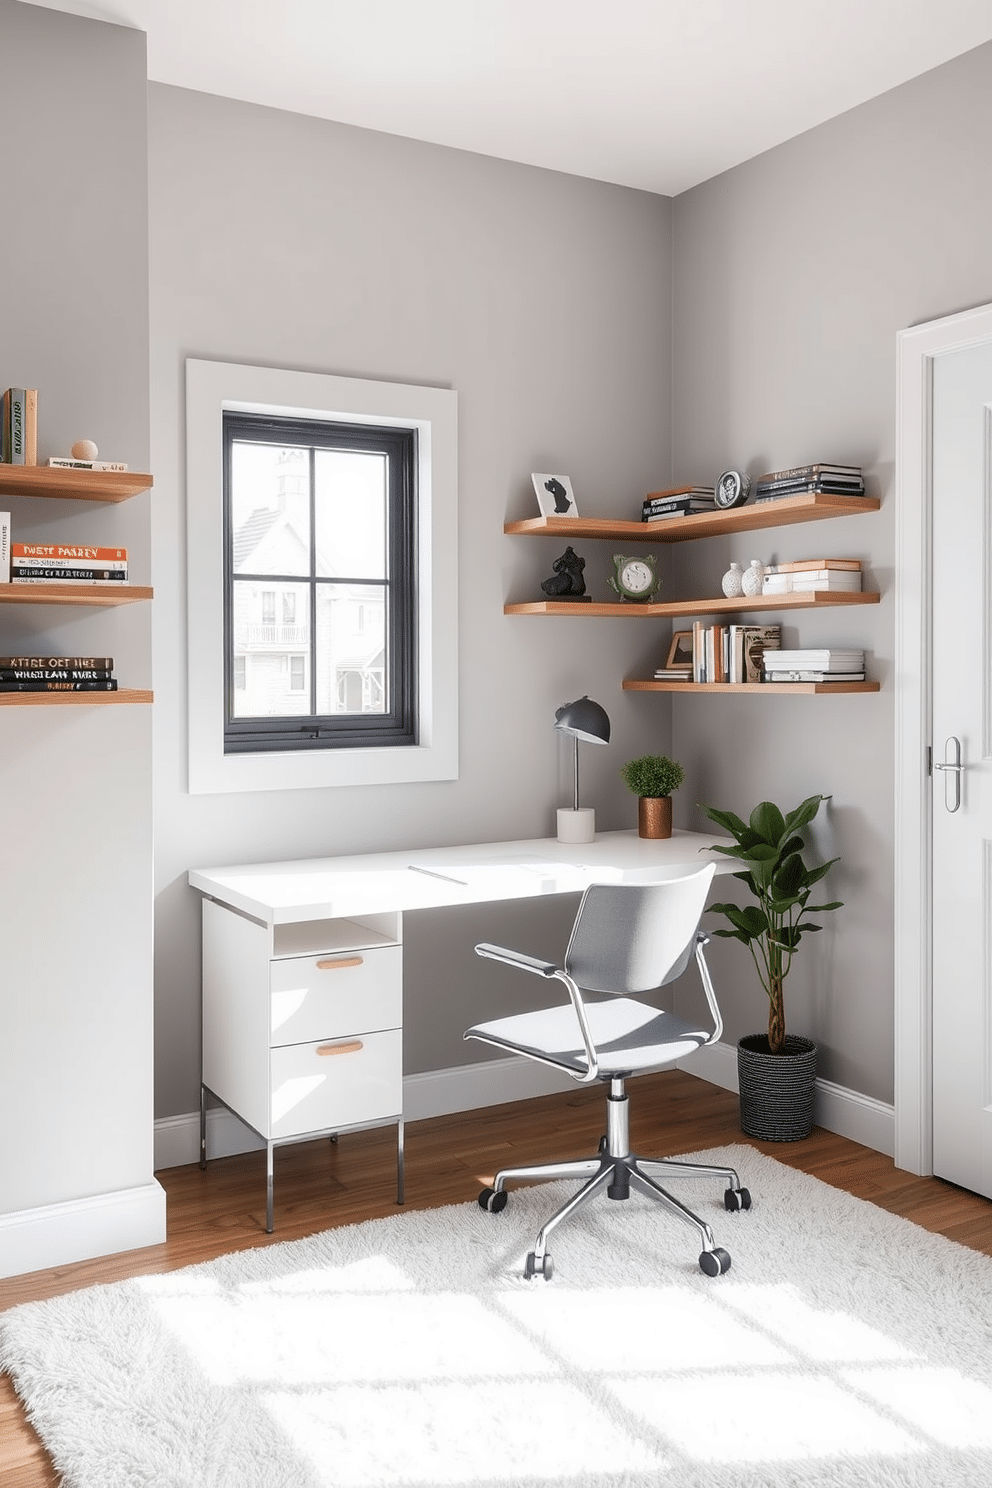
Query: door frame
point(917, 349)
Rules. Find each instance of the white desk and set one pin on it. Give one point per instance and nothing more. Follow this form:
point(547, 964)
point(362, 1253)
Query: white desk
point(302, 968)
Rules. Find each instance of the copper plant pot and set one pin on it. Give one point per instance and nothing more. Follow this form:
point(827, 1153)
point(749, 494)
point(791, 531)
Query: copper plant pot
point(654, 816)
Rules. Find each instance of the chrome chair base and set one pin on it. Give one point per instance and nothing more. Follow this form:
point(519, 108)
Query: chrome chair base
point(616, 1169)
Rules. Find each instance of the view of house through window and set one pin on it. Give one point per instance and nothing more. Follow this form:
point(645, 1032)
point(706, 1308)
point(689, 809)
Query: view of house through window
point(319, 616)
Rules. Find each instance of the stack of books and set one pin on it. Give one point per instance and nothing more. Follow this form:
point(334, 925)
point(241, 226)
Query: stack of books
point(825, 665)
point(800, 480)
point(732, 653)
point(66, 563)
point(680, 501)
point(813, 575)
point(19, 426)
point(57, 674)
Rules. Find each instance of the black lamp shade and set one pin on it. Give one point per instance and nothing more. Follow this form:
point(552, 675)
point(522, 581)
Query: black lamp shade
point(584, 720)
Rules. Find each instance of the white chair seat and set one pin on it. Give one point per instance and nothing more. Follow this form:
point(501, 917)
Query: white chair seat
point(628, 1036)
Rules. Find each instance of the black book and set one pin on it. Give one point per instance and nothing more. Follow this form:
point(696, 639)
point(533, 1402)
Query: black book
point(109, 685)
point(55, 674)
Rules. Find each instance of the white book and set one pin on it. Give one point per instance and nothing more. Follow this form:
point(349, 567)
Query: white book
point(800, 675)
point(823, 660)
point(845, 580)
point(4, 547)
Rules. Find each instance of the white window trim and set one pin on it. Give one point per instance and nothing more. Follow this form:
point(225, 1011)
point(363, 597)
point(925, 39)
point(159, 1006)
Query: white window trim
point(211, 389)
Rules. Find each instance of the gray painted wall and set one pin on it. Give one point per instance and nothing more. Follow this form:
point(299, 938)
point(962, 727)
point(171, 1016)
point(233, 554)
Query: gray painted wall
point(793, 274)
point(545, 301)
point(75, 886)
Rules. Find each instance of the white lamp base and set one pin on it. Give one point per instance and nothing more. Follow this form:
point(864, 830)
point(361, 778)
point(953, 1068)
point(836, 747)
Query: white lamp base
point(576, 826)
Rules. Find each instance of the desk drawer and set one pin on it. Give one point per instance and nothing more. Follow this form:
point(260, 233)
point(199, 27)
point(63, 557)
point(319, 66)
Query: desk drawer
point(324, 997)
point(336, 1083)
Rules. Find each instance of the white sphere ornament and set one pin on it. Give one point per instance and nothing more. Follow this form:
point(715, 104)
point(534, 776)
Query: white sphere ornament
point(84, 449)
point(753, 577)
point(732, 582)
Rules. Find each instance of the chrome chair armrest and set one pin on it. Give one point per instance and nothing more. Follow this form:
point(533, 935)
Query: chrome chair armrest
point(703, 939)
point(517, 959)
point(592, 1058)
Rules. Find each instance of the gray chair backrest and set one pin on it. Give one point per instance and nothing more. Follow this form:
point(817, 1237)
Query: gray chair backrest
point(634, 937)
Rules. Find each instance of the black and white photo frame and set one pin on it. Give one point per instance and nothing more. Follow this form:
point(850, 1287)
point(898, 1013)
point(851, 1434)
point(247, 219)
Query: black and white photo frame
point(554, 495)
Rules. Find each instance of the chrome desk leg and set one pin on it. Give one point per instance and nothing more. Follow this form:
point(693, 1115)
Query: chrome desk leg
point(399, 1162)
point(203, 1126)
point(268, 1188)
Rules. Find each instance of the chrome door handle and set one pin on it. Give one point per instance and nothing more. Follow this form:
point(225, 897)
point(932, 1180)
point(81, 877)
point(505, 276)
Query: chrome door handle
point(953, 768)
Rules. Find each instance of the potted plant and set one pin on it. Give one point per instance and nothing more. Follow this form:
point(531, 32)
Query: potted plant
point(777, 1072)
point(652, 778)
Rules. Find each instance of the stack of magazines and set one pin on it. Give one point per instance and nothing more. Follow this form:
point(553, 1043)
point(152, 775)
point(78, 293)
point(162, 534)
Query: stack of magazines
point(800, 480)
point(826, 665)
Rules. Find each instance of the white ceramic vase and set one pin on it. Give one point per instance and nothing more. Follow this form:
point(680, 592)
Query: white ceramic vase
point(753, 577)
point(733, 582)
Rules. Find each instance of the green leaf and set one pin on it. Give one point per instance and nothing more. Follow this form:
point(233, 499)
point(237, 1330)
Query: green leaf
point(815, 874)
point(732, 935)
point(789, 878)
point(822, 908)
point(804, 813)
point(753, 919)
point(727, 820)
point(763, 852)
point(768, 822)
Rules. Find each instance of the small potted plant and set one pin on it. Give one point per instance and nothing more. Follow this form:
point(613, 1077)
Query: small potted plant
point(777, 1072)
point(652, 778)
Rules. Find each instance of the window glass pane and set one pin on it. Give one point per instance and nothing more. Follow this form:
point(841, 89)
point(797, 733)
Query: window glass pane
point(350, 504)
point(351, 657)
point(270, 654)
point(270, 509)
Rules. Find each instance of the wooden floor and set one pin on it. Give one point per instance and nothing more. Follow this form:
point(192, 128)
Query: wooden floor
point(320, 1185)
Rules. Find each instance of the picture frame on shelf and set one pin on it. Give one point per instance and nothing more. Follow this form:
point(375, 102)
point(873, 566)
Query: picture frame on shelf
point(680, 651)
point(555, 497)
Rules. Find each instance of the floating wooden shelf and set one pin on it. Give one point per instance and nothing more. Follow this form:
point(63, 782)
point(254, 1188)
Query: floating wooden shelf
point(64, 483)
point(787, 510)
point(770, 689)
point(75, 699)
point(74, 594)
point(749, 605)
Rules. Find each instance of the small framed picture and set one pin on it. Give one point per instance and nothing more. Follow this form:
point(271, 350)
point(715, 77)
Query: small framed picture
point(554, 496)
point(680, 651)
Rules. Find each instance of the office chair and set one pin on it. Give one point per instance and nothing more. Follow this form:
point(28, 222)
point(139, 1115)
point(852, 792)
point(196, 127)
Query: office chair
point(627, 938)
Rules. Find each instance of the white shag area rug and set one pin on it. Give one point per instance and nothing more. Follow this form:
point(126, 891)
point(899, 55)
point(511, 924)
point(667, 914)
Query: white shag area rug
point(844, 1347)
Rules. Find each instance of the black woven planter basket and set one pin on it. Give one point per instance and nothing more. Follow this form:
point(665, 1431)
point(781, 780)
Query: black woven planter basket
point(776, 1089)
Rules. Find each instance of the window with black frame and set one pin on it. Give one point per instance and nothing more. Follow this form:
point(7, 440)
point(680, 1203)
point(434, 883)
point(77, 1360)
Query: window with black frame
point(320, 592)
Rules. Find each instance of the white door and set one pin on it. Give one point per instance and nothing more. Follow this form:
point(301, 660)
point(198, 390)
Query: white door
point(962, 799)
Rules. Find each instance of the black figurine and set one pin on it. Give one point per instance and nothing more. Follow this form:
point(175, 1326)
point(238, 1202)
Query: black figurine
point(567, 582)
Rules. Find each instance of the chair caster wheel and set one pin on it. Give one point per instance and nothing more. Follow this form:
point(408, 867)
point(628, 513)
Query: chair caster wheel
point(533, 1267)
point(736, 1198)
point(492, 1200)
point(714, 1262)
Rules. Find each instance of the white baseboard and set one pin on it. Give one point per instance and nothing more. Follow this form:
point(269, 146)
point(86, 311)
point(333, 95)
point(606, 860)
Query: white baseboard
point(468, 1087)
point(81, 1229)
point(860, 1118)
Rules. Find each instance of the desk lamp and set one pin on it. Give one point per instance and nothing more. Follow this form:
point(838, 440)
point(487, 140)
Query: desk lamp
point(584, 720)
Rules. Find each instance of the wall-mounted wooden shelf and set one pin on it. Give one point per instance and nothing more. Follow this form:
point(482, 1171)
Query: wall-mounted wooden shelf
point(74, 594)
point(63, 483)
point(75, 699)
point(680, 609)
point(768, 689)
point(784, 512)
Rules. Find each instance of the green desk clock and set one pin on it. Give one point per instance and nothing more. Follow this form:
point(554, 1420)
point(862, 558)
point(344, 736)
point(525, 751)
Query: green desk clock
point(635, 579)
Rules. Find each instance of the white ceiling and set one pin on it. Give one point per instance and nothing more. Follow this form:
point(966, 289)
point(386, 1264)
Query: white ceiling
point(658, 94)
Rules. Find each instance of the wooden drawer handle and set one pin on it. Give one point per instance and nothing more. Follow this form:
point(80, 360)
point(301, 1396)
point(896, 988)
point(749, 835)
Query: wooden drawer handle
point(351, 1046)
point(338, 963)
